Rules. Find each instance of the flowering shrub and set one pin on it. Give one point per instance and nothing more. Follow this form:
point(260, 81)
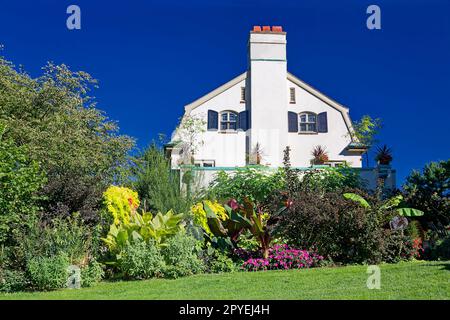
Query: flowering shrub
point(413, 249)
point(282, 257)
point(121, 203)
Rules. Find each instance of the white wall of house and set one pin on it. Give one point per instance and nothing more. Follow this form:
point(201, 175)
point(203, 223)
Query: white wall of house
point(269, 128)
point(267, 99)
point(227, 149)
point(334, 141)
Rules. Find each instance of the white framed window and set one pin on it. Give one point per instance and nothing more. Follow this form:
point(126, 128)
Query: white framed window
point(308, 122)
point(205, 163)
point(335, 163)
point(228, 121)
point(242, 94)
point(291, 95)
point(209, 163)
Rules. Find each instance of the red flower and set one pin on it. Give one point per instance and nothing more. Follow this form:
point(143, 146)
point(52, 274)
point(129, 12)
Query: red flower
point(288, 203)
point(233, 204)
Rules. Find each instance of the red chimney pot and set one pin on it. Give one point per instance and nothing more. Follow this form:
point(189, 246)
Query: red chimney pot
point(266, 28)
point(277, 29)
point(256, 28)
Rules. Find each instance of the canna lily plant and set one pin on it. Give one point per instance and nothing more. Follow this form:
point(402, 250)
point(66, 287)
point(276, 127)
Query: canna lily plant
point(240, 217)
point(143, 227)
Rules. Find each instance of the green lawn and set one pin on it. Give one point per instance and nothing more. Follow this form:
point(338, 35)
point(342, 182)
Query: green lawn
point(406, 280)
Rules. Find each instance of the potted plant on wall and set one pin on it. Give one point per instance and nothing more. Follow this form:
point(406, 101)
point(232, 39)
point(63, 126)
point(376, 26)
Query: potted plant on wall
point(256, 155)
point(320, 155)
point(384, 156)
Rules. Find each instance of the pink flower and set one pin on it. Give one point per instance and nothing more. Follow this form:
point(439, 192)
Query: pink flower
point(233, 204)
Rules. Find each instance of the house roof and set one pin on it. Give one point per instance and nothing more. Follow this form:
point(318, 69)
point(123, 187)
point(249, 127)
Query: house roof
point(332, 103)
point(188, 108)
point(356, 146)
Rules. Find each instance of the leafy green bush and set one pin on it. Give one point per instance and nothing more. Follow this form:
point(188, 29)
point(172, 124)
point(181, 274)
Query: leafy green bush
point(320, 179)
point(429, 191)
point(47, 273)
point(12, 280)
point(257, 184)
point(141, 260)
point(91, 274)
point(439, 249)
point(397, 246)
point(181, 256)
point(216, 261)
point(339, 228)
point(64, 242)
point(443, 249)
point(20, 179)
point(69, 236)
point(158, 186)
point(331, 179)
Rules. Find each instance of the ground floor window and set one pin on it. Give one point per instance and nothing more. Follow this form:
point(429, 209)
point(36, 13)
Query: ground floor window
point(205, 163)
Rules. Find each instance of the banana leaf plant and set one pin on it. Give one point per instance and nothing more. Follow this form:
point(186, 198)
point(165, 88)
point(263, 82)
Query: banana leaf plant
point(395, 203)
point(229, 228)
point(257, 225)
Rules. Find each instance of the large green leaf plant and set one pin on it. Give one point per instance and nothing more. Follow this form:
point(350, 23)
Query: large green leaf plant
point(133, 227)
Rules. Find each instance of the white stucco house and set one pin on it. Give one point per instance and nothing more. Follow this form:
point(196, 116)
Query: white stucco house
point(266, 108)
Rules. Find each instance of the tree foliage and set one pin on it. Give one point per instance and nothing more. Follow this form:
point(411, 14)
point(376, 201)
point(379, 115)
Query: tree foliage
point(429, 191)
point(365, 130)
point(20, 179)
point(157, 185)
point(75, 143)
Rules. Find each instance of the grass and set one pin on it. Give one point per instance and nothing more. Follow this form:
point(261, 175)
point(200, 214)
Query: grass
point(405, 280)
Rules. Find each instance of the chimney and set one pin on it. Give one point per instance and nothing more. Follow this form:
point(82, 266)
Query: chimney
point(267, 68)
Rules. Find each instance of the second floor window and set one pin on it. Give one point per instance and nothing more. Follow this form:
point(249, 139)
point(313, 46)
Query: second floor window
point(308, 122)
point(228, 120)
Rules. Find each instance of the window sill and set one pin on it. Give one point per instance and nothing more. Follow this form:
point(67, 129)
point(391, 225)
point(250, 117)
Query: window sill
point(228, 131)
point(308, 132)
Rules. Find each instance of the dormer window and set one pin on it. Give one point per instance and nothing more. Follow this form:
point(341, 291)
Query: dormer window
point(308, 122)
point(228, 121)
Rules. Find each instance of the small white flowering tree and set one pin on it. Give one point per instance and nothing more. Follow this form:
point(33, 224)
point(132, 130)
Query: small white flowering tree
point(190, 130)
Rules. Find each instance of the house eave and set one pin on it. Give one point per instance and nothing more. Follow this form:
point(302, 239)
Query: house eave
point(188, 108)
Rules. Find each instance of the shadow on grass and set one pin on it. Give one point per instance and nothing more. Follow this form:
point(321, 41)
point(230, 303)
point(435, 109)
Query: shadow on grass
point(444, 265)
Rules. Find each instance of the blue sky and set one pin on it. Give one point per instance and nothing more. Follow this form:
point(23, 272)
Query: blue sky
point(153, 57)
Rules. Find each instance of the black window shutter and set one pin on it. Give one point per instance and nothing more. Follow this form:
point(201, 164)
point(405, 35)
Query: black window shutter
point(243, 120)
point(322, 122)
point(213, 120)
point(292, 122)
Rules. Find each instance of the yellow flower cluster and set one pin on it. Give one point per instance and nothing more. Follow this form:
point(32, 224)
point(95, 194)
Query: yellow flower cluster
point(121, 203)
point(218, 209)
point(199, 213)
